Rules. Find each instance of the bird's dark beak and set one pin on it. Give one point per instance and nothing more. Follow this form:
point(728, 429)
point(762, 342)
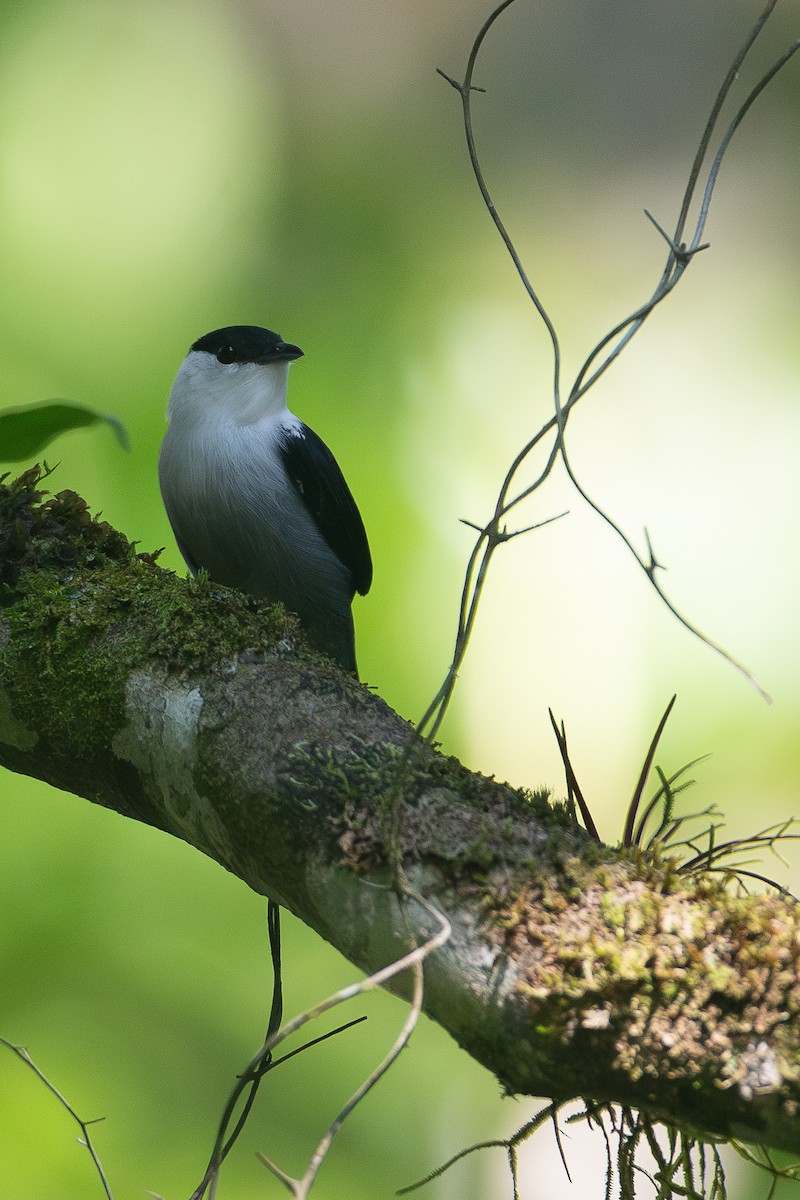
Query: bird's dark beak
point(283, 352)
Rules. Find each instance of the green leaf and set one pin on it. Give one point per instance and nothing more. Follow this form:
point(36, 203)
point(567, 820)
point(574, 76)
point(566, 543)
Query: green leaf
point(26, 430)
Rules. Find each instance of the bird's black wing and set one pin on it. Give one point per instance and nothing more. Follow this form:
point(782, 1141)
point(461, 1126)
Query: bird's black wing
point(319, 483)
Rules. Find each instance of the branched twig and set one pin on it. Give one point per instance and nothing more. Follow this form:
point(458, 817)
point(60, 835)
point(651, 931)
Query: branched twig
point(265, 1060)
point(549, 1112)
point(680, 255)
point(412, 961)
point(85, 1139)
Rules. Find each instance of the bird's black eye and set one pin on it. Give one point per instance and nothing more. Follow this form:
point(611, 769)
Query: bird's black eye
point(226, 354)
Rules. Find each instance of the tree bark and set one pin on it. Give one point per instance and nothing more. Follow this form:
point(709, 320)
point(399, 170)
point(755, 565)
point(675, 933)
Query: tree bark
point(573, 970)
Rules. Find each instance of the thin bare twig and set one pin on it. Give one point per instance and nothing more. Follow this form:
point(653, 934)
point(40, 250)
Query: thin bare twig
point(413, 961)
point(85, 1139)
point(603, 355)
point(510, 1145)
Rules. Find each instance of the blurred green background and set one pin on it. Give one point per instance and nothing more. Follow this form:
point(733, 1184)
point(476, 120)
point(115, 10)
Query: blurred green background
point(172, 166)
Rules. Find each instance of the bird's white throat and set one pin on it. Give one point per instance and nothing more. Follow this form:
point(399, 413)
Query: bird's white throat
point(207, 392)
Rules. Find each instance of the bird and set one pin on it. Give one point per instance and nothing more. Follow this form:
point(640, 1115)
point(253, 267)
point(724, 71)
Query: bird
point(254, 497)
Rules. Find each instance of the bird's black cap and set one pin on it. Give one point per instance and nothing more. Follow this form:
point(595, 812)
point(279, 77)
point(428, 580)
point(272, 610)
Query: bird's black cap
point(247, 344)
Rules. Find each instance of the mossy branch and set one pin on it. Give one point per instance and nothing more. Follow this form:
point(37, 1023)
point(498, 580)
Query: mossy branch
point(573, 970)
